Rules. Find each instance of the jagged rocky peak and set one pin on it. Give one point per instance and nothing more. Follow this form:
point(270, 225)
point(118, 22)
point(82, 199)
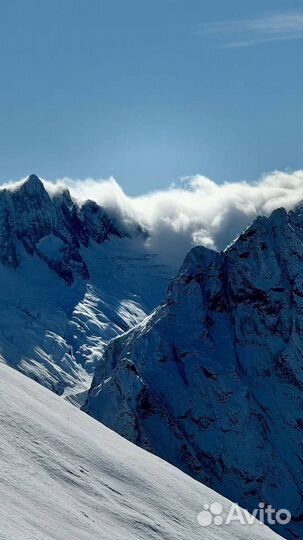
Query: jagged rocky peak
point(51, 226)
point(217, 370)
point(33, 212)
point(100, 225)
point(33, 184)
point(198, 263)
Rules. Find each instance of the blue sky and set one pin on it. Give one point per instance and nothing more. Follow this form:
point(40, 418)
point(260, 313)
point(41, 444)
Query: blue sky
point(150, 91)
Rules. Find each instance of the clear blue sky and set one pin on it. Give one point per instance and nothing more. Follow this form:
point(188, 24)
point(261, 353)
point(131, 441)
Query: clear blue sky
point(150, 90)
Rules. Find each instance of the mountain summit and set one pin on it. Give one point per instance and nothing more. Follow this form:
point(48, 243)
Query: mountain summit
point(212, 381)
point(72, 277)
point(53, 227)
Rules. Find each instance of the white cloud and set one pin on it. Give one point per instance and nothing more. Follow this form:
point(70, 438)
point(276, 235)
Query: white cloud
point(268, 28)
point(198, 211)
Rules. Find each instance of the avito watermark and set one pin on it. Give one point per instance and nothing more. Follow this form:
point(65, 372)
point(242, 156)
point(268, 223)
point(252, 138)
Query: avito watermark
point(212, 514)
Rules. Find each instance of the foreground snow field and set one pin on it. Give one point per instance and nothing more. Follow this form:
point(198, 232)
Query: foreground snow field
point(64, 476)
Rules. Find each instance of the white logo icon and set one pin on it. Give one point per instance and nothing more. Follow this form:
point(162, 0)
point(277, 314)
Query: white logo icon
point(211, 514)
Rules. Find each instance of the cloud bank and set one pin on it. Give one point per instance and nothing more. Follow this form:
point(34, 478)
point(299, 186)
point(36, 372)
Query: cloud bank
point(197, 211)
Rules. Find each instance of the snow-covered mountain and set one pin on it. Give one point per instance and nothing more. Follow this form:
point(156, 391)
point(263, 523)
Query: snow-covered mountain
point(72, 277)
point(64, 476)
point(212, 381)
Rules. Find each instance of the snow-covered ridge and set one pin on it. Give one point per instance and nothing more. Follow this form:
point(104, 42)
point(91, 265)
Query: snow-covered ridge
point(72, 277)
point(29, 214)
point(213, 380)
point(64, 476)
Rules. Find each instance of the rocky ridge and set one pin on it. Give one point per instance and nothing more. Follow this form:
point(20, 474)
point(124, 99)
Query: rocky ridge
point(212, 381)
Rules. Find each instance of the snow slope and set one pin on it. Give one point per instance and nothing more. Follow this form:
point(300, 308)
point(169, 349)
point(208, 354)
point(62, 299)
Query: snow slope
point(64, 476)
point(212, 381)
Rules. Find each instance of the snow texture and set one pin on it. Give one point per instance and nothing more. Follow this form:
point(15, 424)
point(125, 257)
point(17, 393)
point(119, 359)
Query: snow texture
point(64, 476)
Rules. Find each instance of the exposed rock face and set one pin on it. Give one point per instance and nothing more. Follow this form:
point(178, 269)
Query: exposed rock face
point(212, 381)
point(29, 215)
